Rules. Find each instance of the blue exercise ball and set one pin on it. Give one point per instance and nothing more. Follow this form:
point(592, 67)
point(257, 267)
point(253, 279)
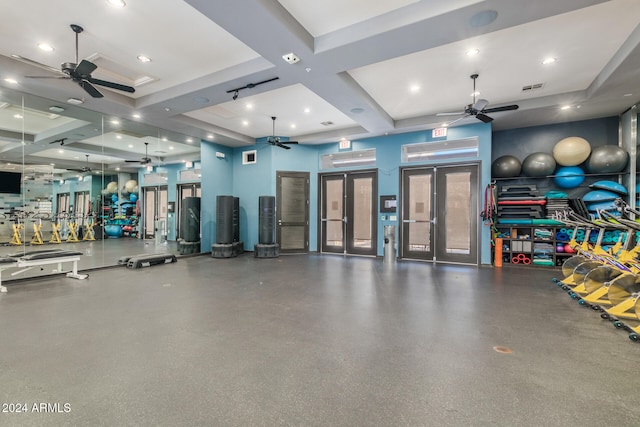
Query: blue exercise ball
point(506, 167)
point(569, 177)
point(133, 197)
point(114, 198)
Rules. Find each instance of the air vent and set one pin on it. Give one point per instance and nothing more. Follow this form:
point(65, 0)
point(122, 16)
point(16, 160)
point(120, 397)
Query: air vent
point(327, 123)
point(529, 88)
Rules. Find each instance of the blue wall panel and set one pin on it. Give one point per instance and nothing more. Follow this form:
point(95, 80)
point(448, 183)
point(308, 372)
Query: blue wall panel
point(217, 179)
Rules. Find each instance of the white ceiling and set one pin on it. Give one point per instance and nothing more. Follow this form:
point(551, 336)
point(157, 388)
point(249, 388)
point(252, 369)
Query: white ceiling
point(358, 62)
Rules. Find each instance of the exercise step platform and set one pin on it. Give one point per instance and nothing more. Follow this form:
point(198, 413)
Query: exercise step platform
point(266, 251)
point(147, 260)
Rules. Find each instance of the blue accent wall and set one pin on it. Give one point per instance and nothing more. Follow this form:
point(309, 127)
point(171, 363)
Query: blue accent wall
point(248, 182)
point(217, 179)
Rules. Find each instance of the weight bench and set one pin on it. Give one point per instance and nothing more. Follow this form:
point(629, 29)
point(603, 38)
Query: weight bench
point(147, 260)
point(28, 260)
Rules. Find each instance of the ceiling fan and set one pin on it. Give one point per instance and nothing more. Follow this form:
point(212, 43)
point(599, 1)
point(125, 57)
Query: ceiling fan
point(84, 169)
point(78, 72)
point(275, 140)
point(145, 160)
point(478, 108)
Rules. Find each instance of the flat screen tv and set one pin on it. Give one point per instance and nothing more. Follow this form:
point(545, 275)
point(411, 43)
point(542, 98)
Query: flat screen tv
point(10, 182)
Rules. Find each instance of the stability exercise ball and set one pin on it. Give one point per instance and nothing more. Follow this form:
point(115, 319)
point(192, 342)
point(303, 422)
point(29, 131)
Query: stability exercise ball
point(607, 159)
point(112, 187)
point(538, 164)
point(571, 151)
point(569, 177)
point(506, 167)
point(130, 185)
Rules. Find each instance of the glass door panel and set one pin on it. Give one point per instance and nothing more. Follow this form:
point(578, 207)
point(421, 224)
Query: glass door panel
point(333, 214)
point(417, 214)
point(292, 213)
point(457, 232)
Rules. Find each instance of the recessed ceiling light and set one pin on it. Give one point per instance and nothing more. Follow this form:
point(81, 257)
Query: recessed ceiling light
point(307, 110)
point(144, 58)
point(56, 109)
point(17, 116)
point(548, 61)
point(61, 151)
point(117, 3)
point(414, 88)
point(167, 109)
point(118, 136)
point(130, 145)
point(117, 169)
point(565, 107)
point(209, 136)
point(628, 94)
point(75, 101)
point(249, 106)
point(472, 52)
point(115, 122)
point(189, 140)
point(293, 125)
point(476, 93)
point(171, 147)
point(45, 47)
point(136, 116)
point(10, 80)
point(245, 123)
point(444, 125)
point(164, 139)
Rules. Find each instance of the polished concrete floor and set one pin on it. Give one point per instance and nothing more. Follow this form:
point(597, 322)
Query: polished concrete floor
point(312, 340)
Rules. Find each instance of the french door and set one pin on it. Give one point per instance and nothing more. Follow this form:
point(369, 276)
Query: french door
point(154, 209)
point(440, 213)
point(348, 212)
point(292, 211)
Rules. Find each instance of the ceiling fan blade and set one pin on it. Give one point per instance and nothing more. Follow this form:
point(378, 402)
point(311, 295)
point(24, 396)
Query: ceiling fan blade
point(480, 104)
point(451, 114)
point(90, 89)
point(85, 68)
point(499, 109)
point(111, 85)
point(36, 64)
point(132, 161)
point(457, 120)
point(484, 118)
point(289, 142)
point(49, 77)
point(281, 145)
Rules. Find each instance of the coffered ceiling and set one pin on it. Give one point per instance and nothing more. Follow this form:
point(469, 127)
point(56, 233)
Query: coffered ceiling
point(365, 68)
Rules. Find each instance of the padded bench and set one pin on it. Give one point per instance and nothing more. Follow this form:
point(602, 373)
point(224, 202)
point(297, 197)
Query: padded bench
point(28, 260)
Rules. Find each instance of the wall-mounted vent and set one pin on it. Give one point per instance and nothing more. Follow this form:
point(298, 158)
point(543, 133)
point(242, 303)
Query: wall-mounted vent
point(327, 123)
point(439, 151)
point(348, 159)
point(529, 88)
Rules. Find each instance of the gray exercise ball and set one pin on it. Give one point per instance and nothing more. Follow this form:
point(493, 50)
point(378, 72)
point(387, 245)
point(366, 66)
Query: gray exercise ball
point(506, 167)
point(538, 164)
point(607, 159)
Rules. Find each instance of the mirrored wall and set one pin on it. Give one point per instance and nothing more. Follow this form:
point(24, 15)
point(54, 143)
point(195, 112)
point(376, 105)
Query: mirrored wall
point(103, 187)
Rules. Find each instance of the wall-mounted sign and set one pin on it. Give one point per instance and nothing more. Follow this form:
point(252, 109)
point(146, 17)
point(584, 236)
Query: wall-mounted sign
point(439, 133)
